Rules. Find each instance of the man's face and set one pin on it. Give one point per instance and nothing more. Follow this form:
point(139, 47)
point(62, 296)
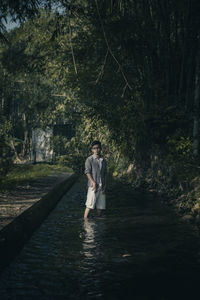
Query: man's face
point(96, 149)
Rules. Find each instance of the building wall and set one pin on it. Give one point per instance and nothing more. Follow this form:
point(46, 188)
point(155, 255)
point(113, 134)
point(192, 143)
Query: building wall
point(41, 145)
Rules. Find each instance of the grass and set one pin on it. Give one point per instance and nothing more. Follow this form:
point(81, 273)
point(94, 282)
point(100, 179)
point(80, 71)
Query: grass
point(20, 174)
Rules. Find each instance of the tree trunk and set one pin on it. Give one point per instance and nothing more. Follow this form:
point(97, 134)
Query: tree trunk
point(33, 147)
point(14, 150)
point(196, 105)
point(25, 142)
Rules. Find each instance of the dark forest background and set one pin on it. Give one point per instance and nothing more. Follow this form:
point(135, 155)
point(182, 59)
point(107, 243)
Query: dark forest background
point(124, 72)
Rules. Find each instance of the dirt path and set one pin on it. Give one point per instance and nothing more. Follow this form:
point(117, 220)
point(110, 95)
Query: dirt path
point(13, 203)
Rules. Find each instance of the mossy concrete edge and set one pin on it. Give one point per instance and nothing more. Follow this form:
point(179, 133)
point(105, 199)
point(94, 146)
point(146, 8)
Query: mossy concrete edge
point(15, 234)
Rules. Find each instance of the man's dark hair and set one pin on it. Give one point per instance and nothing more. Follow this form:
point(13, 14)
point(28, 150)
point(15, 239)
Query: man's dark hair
point(96, 143)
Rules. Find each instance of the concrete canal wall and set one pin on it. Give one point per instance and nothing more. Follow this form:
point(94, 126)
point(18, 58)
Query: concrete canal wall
point(14, 235)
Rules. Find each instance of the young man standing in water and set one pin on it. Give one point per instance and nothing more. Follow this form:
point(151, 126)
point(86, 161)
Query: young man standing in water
point(95, 169)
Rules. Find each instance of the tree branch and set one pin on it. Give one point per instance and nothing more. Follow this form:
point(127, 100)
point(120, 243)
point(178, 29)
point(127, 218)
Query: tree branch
point(102, 68)
point(70, 40)
point(110, 50)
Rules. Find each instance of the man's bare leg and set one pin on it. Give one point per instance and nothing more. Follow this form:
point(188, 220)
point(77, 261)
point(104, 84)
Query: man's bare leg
point(99, 212)
point(87, 210)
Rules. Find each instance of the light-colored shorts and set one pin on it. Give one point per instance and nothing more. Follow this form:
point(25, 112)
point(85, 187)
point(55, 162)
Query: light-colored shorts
point(97, 199)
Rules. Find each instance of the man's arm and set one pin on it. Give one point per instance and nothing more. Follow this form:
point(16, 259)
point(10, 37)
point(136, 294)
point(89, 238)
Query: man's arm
point(104, 188)
point(92, 180)
point(88, 172)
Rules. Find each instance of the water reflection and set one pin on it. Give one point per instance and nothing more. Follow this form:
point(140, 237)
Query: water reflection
point(93, 240)
point(89, 245)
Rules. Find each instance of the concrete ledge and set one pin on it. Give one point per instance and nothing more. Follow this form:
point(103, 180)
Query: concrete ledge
point(14, 235)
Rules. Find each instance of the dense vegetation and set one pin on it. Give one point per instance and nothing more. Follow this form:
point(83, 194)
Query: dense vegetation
point(124, 72)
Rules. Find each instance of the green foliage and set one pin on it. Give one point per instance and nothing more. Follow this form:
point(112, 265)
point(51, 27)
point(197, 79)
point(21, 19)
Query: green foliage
point(58, 144)
point(118, 71)
point(180, 147)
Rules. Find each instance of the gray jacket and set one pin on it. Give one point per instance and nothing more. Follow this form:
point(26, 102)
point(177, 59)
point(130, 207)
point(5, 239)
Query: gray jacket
point(92, 167)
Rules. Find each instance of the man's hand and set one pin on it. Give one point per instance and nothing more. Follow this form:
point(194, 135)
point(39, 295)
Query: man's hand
point(94, 186)
point(104, 189)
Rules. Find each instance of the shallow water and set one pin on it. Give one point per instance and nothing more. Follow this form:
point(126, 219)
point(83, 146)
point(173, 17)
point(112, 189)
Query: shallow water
point(138, 250)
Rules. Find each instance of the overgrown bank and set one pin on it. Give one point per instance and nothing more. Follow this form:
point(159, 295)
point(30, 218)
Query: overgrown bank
point(176, 185)
point(23, 174)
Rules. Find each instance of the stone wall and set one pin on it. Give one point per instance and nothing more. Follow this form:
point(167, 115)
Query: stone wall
point(15, 234)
